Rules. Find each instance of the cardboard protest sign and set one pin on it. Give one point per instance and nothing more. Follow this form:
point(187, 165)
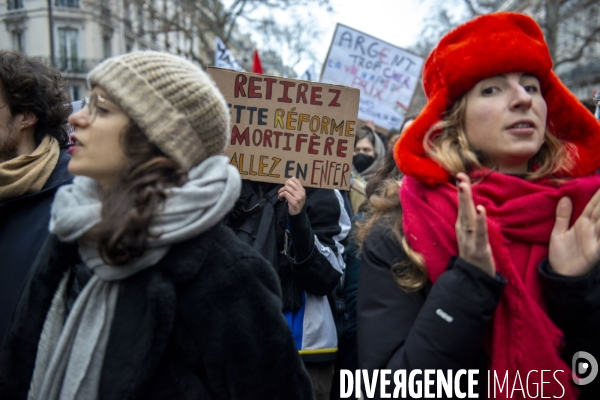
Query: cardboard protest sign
point(281, 128)
point(386, 75)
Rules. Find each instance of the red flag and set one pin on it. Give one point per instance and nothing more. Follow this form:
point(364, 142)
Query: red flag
point(256, 65)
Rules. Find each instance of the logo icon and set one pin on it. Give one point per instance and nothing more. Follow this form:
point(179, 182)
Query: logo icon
point(582, 364)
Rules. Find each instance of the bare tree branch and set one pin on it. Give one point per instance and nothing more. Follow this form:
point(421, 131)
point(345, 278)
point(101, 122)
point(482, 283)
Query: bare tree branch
point(471, 7)
point(190, 26)
point(592, 37)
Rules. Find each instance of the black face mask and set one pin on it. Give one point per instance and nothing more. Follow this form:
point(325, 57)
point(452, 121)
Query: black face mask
point(362, 161)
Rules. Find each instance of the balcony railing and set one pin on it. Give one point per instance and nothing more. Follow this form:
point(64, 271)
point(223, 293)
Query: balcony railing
point(76, 65)
point(67, 3)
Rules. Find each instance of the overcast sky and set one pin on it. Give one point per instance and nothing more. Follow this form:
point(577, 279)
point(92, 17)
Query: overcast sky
point(398, 22)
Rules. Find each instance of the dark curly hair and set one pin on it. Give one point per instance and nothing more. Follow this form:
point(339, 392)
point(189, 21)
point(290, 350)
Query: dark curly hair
point(130, 204)
point(30, 85)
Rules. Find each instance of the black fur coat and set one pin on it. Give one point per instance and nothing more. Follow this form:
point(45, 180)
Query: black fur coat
point(204, 323)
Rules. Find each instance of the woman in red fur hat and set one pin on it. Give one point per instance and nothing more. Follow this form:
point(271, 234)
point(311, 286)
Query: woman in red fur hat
point(493, 242)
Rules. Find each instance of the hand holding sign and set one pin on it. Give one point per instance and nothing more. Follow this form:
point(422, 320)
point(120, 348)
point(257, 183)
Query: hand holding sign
point(295, 195)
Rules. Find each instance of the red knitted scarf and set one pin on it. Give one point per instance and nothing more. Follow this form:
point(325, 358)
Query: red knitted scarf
point(521, 216)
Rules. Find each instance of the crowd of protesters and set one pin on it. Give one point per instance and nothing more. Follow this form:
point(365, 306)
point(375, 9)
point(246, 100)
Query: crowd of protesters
point(136, 263)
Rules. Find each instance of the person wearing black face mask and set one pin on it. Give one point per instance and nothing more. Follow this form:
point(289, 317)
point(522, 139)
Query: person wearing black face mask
point(368, 155)
point(362, 161)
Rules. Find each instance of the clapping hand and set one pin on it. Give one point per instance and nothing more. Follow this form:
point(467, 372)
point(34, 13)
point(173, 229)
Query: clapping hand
point(575, 251)
point(471, 229)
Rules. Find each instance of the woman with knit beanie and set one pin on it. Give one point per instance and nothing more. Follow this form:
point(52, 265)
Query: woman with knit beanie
point(140, 292)
point(484, 259)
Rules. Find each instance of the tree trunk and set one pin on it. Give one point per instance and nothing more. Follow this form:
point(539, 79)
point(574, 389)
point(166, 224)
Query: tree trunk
point(551, 26)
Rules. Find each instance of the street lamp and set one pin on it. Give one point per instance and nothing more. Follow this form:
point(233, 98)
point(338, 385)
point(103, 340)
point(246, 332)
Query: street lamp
point(596, 99)
point(51, 26)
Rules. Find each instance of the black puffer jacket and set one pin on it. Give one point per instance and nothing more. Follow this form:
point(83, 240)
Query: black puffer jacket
point(442, 326)
point(203, 323)
point(23, 230)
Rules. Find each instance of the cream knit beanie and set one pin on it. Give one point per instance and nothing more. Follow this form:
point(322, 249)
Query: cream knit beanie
point(174, 102)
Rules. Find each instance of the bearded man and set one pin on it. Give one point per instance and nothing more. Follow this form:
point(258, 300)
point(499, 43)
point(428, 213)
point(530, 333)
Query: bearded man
point(34, 106)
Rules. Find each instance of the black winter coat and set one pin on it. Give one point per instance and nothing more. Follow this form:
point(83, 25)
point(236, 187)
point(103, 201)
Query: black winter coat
point(205, 322)
point(23, 230)
point(400, 330)
point(312, 262)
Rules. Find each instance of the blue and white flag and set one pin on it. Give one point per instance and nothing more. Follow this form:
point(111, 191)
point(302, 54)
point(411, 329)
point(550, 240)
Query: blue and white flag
point(310, 74)
point(224, 58)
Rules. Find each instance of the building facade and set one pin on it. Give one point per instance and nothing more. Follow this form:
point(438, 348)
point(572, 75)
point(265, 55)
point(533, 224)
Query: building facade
point(76, 35)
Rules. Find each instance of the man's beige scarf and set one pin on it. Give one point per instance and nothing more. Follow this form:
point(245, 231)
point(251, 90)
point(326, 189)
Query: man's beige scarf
point(28, 173)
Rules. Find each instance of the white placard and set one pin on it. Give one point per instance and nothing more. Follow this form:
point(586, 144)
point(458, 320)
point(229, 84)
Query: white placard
point(386, 75)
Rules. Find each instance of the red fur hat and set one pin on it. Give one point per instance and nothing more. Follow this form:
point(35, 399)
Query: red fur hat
point(483, 47)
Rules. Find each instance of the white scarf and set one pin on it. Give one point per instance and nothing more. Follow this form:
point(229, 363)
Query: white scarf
point(71, 353)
